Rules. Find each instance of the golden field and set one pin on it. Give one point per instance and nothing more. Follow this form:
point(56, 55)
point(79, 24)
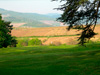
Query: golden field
point(53, 31)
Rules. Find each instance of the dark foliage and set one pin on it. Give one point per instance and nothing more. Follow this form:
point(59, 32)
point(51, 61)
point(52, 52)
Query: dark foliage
point(84, 13)
point(13, 42)
point(5, 33)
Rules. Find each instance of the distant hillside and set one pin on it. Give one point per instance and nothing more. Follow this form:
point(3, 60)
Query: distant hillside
point(30, 19)
point(53, 15)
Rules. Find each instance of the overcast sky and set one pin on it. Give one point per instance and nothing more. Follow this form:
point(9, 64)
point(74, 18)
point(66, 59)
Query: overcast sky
point(30, 6)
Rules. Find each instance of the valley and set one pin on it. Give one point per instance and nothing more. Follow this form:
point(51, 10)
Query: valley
point(30, 19)
point(52, 34)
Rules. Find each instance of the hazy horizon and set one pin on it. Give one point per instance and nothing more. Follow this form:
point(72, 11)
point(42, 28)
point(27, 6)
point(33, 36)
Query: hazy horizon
point(30, 6)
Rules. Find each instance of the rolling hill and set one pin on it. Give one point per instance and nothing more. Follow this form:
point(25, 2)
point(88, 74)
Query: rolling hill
point(30, 19)
point(53, 15)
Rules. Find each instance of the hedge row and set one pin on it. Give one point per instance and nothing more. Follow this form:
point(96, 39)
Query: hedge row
point(27, 42)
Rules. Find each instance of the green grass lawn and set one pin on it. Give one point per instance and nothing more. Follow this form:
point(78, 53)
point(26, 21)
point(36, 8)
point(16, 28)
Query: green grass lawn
point(50, 60)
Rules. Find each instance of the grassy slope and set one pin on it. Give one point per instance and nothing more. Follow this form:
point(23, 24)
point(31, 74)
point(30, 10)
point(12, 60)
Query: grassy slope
point(50, 60)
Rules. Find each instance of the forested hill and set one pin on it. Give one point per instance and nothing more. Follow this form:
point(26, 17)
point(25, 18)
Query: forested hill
point(30, 19)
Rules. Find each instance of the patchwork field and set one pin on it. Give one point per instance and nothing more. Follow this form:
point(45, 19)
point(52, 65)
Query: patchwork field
point(47, 31)
point(49, 35)
point(51, 60)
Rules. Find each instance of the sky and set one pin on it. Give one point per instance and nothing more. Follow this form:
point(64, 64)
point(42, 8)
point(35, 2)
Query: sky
point(31, 6)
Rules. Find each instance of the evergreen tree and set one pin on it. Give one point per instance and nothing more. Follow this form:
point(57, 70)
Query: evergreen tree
point(5, 33)
point(84, 13)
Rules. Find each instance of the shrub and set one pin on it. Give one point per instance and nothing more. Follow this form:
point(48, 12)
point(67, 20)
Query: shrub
point(34, 42)
point(13, 42)
point(23, 42)
point(45, 40)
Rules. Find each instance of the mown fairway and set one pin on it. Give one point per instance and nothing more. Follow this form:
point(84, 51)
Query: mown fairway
point(50, 60)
